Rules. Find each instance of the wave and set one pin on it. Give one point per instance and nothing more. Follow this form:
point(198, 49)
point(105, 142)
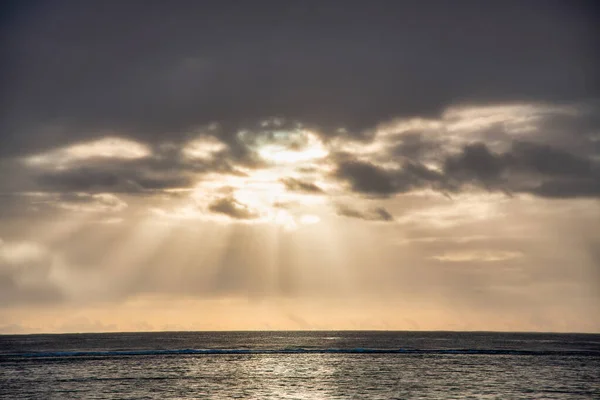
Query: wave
point(163, 352)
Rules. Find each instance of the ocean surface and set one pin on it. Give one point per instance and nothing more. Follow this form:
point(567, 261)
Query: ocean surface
point(300, 365)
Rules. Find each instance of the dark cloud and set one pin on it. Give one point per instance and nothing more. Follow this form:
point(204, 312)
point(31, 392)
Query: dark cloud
point(160, 183)
point(476, 163)
point(80, 179)
point(370, 179)
point(576, 132)
point(90, 179)
point(415, 146)
point(526, 167)
point(233, 209)
point(165, 168)
point(301, 186)
point(366, 178)
point(349, 212)
point(147, 70)
point(162, 74)
point(383, 214)
point(568, 188)
point(375, 214)
point(421, 173)
point(546, 160)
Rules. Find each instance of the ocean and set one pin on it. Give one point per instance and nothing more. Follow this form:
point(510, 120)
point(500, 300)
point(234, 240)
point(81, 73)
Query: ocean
point(300, 365)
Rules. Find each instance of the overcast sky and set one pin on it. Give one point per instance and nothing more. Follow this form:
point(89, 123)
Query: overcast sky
point(200, 165)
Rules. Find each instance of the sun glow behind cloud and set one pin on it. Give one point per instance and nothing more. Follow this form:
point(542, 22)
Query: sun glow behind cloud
point(281, 224)
point(280, 192)
point(203, 148)
point(293, 147)
point(294, 176)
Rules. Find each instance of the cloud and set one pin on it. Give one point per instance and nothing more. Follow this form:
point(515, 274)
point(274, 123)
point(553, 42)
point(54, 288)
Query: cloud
point(298, 185)
point(79, 179)
point(366, 178)
point(353, 77)
point(111, 178)
point(98, 202)
point(491, 147)
point(116, 164)
point(526, 167)
point(415, 146)
point(153, 173)
point(568, 188)
point(475, 162)
point(547, 160)
point(42, 205)
point(383, 214)
point(232, 208)
point(370, 179)
point(204, 148)
point(375, 214)
point(106, 147)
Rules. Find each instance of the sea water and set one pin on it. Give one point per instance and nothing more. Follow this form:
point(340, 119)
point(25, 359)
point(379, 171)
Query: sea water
point(300, 365)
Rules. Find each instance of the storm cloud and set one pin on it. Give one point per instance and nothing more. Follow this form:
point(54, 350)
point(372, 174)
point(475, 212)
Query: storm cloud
point(150, 69)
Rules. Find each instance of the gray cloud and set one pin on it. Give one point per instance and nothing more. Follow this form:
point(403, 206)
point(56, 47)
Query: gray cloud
point(365, 177)
point(301, 186)
point(421, 174)
point(375, 214)
point(383, 214)
point(147, 71)
point(476, 162)
point(56, 206)
point(98, 179)
point(565, 188)
point(164, 168)
point(547, 160)
point(79, 179)
point(233, 209)
point(370, 179)
point(107, 82)
point(415, 146)
point(526, 167)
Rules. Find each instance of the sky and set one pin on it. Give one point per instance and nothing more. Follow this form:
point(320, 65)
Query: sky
point(226, 165)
